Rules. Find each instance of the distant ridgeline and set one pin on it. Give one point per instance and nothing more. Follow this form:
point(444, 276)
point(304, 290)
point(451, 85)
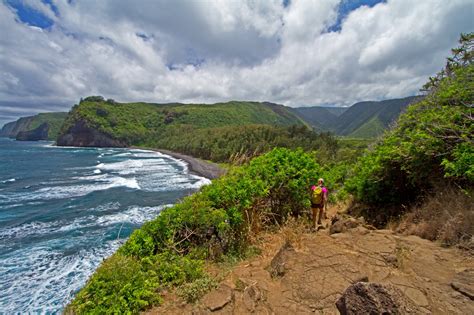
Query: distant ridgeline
point(44, 126)
point(214, 131)
point(361, 120)
point(189, 128)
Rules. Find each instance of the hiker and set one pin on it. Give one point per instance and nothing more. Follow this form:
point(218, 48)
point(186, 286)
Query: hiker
point(319, 196)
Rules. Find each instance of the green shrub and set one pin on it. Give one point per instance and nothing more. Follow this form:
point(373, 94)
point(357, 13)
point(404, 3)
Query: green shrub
point(120, 285)
point(193, 291)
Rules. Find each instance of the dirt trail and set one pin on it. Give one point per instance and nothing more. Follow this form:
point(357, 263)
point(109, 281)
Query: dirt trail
point(312, 273)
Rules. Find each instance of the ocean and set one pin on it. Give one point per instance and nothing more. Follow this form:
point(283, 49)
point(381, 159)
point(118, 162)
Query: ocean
point(64, 209)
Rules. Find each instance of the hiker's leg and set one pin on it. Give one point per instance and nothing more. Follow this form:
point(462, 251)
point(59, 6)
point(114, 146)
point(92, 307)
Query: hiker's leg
point(315, 214)
point(321, 211)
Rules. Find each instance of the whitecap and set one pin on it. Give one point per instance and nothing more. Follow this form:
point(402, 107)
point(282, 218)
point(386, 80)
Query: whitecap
point(11, 180)
point(134, 214)
point(126, 182)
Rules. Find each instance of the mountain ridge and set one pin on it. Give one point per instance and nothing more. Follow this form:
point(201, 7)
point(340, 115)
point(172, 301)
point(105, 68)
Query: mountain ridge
point(146, 123)
point(367, 119)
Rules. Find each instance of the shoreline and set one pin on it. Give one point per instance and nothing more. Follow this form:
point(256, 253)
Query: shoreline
point(196, 166)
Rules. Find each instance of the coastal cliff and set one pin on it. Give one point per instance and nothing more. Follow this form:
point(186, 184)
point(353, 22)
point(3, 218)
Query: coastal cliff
point(40, 133)
point(81, 135)
point(44, 126)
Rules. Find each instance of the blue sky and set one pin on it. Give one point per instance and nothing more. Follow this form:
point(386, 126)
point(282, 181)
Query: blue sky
point(293, 52)
point(30, 15)
point(347, 6)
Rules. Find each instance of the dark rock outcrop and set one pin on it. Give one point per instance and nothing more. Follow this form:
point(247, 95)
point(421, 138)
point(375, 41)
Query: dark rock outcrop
point(374, 298)
point(40, 133)
point(81, 135)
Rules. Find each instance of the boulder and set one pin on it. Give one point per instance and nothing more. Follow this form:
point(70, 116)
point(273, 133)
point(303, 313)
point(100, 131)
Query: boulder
point(374, 298)
point(341, 224)
point(277, 266)
point(218, 299)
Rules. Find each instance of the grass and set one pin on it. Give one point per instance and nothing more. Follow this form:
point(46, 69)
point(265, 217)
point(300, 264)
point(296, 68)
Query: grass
point(447, 217)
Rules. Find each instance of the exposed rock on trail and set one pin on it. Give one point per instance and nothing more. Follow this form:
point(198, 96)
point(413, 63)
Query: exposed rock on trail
point(318, 268)
point(464, 283)
point(341, 224)
point(216, 300)
point(374, 298)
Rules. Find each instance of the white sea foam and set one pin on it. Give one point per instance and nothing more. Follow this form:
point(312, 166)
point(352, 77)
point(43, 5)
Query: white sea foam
point(97, 171)
point(11, 180)
point(124, 154)
point(134, 215)
point(126, 182)
point(101, 182)
point(42, 276)
point(28, 229)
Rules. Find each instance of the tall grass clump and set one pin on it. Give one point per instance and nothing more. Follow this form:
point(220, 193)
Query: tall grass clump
point(447, 217)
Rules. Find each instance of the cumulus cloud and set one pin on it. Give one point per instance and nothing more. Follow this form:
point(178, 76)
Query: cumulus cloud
point(209, 51)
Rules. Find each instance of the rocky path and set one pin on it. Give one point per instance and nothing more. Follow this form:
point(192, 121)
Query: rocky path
point(300, 272)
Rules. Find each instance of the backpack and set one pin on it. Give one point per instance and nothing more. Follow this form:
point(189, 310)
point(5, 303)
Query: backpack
point(317, 196)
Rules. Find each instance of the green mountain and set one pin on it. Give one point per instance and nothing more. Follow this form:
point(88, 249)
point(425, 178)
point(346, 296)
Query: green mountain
point(320, 118)
point(369, 119)
point(96, 122)
point(361, 120)
point(44, 126)
point(336, 110)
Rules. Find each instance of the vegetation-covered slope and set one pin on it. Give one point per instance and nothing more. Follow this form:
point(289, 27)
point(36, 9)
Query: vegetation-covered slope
point(219, 132)
point(138, 123)
point(53, 121)
point(371, 114)
point(431, 146)
point(238, 144)
point(361, 120)
point(320, 118)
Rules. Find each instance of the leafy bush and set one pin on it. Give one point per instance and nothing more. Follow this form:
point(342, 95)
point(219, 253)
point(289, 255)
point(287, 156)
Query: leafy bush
point(118, 286)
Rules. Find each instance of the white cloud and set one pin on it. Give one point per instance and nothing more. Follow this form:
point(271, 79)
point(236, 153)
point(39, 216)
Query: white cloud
point(208, 51)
